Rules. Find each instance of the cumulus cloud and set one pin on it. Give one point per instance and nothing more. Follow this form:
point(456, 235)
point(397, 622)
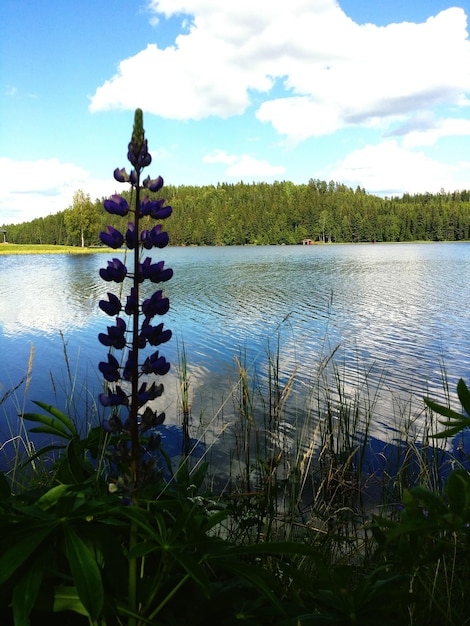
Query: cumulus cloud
point(331, 72)
point(244, 166)
point(389, 169)
point(32, 189)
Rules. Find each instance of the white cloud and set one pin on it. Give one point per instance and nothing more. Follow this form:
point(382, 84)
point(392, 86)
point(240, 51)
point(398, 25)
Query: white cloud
point(219, 156)
point(33, 189)
point(388, 169)
point(244, 166)
point(429, 136)
point(335, 73)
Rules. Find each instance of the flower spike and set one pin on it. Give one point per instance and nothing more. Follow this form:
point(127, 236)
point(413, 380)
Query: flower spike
point(133, 385)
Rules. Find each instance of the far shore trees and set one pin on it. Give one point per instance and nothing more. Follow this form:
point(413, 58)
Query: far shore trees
point(82, 218)
point(262, 213)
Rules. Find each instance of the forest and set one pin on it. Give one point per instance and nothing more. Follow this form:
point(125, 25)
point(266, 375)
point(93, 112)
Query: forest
point(262, 213)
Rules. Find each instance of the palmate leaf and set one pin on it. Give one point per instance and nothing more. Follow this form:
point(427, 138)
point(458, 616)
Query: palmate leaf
point(455, 422)
point(85, 572)
point(56, 423)
point(194, 570)
point(64, 419)
point(48, 430)
point(49, 425)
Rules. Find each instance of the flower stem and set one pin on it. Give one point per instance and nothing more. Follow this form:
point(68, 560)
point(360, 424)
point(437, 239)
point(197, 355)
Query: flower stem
point(134, 425)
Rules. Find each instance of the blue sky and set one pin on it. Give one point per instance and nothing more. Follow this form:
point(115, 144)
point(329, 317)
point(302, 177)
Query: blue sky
point(365, 92)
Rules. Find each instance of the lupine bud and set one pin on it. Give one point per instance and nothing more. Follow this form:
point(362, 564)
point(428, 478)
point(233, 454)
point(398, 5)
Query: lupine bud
point(121, 175)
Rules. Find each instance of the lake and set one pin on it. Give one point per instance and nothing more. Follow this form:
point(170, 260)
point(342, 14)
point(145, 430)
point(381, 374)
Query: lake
point(396, 315)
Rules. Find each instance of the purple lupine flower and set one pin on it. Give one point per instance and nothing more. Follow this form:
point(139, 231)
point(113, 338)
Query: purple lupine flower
point(121, 175)
point(113, 424)
point(116, 335)
point(155, 305)
point(153, 185)
point(131, 236)
point(146, 395)
point(112, 306)
point(113, 238)
point(154, 238)
point(116, 205)
point(110, 370)
point(128, 367)
point(118, 398)
point(116, 271)
point(155, 364)
point(154, 271)
point(150, 419)
point(155, 335)
point(132, 303)
point(155, 209)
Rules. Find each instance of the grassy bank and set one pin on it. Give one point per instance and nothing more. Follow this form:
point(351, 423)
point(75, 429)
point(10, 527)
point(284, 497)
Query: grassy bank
point(16, 248)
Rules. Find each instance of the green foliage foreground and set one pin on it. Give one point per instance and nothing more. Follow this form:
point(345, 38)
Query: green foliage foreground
point(67, 541)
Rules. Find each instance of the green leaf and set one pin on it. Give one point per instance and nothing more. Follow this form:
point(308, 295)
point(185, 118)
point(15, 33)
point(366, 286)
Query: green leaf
point(66, 599)
point(66, 421)
point(48, 422)
point(433, 500)
point(26, 591)
point(74, 453)
point(40, 453)
point(451, 432)
point(47, 500)
point(458, 491)
point(440, 409)
point(20, 550)
point(85, 572)
point(195, 570)
point(144, 520)
point(464, 395)
point(49, 430)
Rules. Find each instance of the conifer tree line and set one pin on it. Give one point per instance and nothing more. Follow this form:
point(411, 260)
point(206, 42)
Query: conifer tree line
point(262, 213)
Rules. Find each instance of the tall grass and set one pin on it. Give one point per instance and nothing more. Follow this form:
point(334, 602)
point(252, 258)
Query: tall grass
point(18, 446)
point(291, 468)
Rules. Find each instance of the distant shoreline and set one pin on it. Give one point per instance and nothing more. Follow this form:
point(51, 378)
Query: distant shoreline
point(16, 248)
point(19, 248)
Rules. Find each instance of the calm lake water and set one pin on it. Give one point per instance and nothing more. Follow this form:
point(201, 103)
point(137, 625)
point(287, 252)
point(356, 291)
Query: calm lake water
point(397, 314)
